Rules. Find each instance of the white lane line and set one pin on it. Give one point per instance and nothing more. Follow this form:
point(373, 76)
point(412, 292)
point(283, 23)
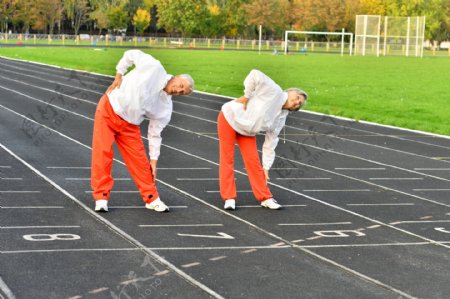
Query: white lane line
point(298, 241)
point(283, 168)
point(117, 191)
point(431, 189)
point(420, 221)
point(238, 191)
point(197, 179)
point(250, 224)
point(99, 290)
point(12, 179)
point(179, 225)
point(8, 293)
point(381, 204)
point(338, 190)
point(218, 258)
point(248, 251)
point(143, 207)
point(313, 224)
point(146, 248)
point(184, 168)
point(190, 265)
point(259, 206)
point(5, 166)
point(68, 167)
point(161, 273)
point(374, 226)
point(14, 191)
point(49, 81)
point(303, 179)
point(371, 245)
point(395, 179)
point(344, 139)
point(35, 207)
point(314, 167)
point(42, 226)
point(360, 168)
point(443, 169)
point(155, 256)
point(88, 179)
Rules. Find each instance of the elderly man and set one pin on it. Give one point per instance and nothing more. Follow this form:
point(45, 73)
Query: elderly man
point(264, 107)
point(146, 91)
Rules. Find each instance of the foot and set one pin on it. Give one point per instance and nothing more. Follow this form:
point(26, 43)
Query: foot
point(101, 205)
point(230, 204)
point(157, 205)
point(271, 204)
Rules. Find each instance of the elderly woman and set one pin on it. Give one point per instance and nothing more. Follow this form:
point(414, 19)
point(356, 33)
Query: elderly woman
point(264, 107)
point(145, 91)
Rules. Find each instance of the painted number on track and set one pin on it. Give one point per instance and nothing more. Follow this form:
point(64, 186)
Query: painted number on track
point(51, 237)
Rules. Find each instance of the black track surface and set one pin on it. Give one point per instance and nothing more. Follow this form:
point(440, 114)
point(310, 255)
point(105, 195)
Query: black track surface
point(366, 208)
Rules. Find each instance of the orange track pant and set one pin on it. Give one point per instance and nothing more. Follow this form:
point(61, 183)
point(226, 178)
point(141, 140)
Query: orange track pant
point(109, 127)
point(247, 144)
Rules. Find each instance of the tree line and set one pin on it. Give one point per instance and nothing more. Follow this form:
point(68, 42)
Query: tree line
point(211, 18)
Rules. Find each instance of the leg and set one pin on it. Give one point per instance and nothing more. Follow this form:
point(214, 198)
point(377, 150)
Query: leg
point(247, 145)
point(132, 149)
point(102, 152)
point(227, 139)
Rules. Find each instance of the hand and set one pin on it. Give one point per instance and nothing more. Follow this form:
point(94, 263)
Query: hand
point(243, 100)
point(266, 174)
point(153, 167)
point(116, 83)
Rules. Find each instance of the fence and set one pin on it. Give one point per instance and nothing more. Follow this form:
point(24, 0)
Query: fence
point(187, 43)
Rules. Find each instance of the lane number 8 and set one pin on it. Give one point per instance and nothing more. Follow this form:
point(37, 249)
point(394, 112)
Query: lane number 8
point(51, 237)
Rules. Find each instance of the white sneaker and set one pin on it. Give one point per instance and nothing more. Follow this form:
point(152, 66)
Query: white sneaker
point(157, 205)
point(101, 205)
point(271, 204)
point(230, 204)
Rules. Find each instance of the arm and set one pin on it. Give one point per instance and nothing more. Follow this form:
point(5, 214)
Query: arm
point(129, 58)
point(155, 127)
point(270, 143)
point(251, 82)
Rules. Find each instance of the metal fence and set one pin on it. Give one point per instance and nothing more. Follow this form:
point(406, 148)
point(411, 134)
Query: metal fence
point(187, 43)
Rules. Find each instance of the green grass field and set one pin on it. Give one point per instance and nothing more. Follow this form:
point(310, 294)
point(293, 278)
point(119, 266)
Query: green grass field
point(407, 92)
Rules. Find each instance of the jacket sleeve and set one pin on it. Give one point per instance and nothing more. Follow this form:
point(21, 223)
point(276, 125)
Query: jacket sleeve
point(271, 142)
point(133, 57)
point(155, 127)
point(253, 80)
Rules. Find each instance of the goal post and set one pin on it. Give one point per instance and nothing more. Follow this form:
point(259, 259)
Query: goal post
point(399, 35)
point(342, 34)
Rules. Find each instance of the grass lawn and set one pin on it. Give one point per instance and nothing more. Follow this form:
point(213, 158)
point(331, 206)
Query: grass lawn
point(401, 91)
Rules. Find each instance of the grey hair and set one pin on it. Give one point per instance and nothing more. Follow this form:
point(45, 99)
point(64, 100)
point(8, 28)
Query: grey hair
point(189, 79)
point(299, 91)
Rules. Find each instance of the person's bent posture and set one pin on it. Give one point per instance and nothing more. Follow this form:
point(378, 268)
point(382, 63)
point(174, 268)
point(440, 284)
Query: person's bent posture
point(263, 107)
point(146, 91)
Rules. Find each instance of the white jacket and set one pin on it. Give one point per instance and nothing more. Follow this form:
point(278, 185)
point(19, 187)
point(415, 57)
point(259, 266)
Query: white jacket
point(141, 94)
point(264, 113)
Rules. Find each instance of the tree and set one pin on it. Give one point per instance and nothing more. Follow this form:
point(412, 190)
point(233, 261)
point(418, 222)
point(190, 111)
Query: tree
point(141, 20)
point(48, 13)
point(77, 11)
point(328, 15)
point(235, 17)
point(181, 16)
point(7, 10)
point(118, 18)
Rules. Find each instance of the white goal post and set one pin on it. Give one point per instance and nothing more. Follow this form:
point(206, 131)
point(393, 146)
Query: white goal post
point(342, 34)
